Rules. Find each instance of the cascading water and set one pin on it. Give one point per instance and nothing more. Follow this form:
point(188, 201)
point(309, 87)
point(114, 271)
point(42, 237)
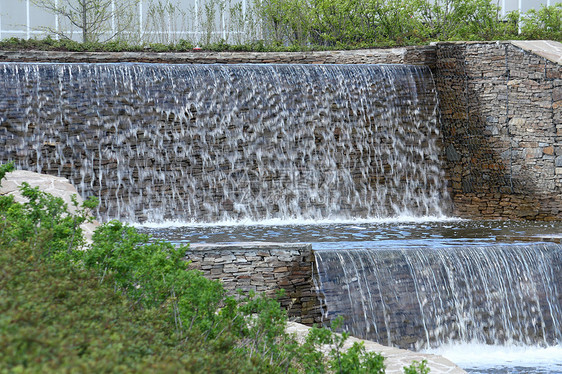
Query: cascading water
point(208, 143)
point(427, 297)
point(212, 143)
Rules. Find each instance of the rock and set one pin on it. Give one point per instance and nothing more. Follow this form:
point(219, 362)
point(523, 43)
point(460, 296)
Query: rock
point(548, 150)
point(452, 154)
point(395, 358)
point(56, 186)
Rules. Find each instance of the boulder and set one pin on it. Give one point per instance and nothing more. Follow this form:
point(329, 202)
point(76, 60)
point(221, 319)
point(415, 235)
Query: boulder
point(56, 186)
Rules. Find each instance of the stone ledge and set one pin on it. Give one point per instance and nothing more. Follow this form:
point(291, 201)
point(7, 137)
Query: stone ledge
point(417, 55)
point(548, 49)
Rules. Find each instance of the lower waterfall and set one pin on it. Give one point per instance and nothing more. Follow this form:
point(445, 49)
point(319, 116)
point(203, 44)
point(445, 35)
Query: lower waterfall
point(421, 298)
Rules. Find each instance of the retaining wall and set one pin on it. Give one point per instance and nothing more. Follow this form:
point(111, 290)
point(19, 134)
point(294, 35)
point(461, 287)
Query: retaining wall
point(421, 55)
point(155, 142)
point(500, 107)
point(502, 128)
point(263, 268)
point(501, 122)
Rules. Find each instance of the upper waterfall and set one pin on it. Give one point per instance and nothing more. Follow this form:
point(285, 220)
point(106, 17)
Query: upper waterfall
point(207, 143)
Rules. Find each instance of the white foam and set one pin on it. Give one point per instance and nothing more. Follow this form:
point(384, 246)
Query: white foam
point(300, 222)
point(482, 356)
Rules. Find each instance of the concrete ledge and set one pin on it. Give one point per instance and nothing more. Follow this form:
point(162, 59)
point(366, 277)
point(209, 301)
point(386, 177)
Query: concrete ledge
point(548, 49)
point(395, 358)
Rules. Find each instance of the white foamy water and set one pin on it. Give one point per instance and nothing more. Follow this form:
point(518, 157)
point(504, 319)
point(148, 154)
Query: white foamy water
point(298, 222)
point(481, 358)
point(501, 294)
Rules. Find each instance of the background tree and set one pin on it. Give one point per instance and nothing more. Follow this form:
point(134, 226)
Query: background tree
point(97, 20)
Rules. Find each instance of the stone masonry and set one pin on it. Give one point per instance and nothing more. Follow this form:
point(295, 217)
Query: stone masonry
point(263, 268)
point(422, 55)
point(502, 146)
point(502, 127)
point(500, 114)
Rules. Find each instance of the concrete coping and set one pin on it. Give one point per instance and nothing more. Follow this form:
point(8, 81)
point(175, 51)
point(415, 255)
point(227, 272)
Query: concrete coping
point(548, 49)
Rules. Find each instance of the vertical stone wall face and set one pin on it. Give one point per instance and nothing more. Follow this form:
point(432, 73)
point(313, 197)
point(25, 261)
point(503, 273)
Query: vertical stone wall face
point(209, 143)
point(502, 147)
point(501, 118)
point(500, 113)
point(263, 268)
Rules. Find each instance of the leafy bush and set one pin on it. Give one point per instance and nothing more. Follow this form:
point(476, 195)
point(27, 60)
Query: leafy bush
point(58, 316)
point(128, 304)
point(362, 23)
point(417, 368)
point(298, 25)
point(545, 23)
point(354, 360)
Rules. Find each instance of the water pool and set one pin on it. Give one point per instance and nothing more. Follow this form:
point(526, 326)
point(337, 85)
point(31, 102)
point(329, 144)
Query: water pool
point(384, 233)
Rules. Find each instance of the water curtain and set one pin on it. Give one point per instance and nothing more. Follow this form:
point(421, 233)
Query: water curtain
point(209, 143)
point(427, 297)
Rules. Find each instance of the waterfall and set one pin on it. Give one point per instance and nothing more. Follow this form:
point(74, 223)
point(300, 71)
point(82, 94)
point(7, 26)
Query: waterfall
point(207, 143)
point(421, 298)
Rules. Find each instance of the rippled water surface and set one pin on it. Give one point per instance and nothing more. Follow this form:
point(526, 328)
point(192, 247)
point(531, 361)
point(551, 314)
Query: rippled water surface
point(385, 233)
point(396, 233)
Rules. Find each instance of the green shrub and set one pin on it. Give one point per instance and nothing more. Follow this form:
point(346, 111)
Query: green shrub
point(545, 23)
point(353, 360)
point(129, 304)
point(59, 318)
point(417, 368)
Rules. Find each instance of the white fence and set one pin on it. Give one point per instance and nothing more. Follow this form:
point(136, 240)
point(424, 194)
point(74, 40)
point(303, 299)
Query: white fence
point(165, 21)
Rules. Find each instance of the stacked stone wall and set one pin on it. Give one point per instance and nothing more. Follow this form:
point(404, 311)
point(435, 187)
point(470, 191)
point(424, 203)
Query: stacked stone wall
point(263, 268)
point(500, 109)
point(502, 128)
point(502, 147)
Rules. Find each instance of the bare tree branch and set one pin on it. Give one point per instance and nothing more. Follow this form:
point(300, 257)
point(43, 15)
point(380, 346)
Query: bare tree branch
point(97, 20)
